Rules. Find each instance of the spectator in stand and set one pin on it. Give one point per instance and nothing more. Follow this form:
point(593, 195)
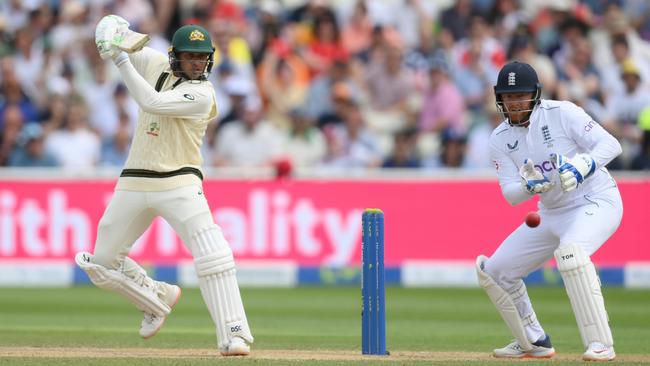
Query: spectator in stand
point(16, 14)
point(99, 97)
point(612, 83)
point(579, 80)
point(115, 149)
point(357, 32)
point(231, 48)
point(507, 17)
point(284, 82)
point(443, 107)
point(301, 20)
point(12, 122)
point(304, 142)
point(326, 46)
point(30, 151)
point(572, 32)
point(249, 142)
point(480, 39)
point(456, 19)
point(55, 112)
point(319, 101)
point(12, 93)
point(351, 145)
point(412, 19)
point(477, 154)
point(554, 24)
point(454, 147)
point(389, 85)
point(30, 56)
point(404, 153)
point(264, 27)
point(73, 28)
point(615, 24)
point(475, 79)
point(74, 145)
point(625, 108)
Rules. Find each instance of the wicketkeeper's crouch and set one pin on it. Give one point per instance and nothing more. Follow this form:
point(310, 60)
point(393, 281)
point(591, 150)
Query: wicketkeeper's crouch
point(162, 177)
point(557, 151)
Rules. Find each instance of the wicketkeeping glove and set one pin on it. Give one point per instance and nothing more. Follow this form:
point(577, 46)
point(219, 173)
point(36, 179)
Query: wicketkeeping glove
point(110, 31)
point(532, 180)
point(575, 170)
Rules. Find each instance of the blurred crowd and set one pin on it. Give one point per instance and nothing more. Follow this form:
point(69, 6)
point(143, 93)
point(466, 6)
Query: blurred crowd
point(325, 84)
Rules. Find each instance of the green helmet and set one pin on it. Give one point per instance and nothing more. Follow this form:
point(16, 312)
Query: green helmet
point(191, 38)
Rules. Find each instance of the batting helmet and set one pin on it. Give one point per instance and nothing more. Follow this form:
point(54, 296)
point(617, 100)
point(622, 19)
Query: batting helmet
point(517, 77)
point(191, 38)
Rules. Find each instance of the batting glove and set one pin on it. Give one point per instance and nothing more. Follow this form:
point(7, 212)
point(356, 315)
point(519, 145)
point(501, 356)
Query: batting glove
point(532, 180)
point(109, 33)
point(575, 170)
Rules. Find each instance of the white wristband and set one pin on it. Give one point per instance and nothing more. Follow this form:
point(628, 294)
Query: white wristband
point(121, 58)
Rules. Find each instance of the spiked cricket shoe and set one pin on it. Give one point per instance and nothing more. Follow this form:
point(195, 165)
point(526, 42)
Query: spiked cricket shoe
point(541, 349)
point(237, 347)
point(152, 323)
point(599, 352)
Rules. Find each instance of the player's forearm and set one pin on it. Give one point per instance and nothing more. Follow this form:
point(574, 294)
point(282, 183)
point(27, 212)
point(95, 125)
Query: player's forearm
point(514, 193)
point(143, 93)
point(605, 150)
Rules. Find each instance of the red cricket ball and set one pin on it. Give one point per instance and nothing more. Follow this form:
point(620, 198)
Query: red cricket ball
point(533, 219)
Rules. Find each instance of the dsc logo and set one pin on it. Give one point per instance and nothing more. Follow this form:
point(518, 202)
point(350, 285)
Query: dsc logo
point(235, 329)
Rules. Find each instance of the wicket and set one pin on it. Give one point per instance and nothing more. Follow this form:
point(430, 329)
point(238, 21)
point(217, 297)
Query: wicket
point(373, 315)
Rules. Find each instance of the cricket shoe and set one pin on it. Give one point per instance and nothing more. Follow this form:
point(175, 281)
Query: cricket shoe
point(541, 349)
point(599, 352)
point(236, 347)
point(152, 323)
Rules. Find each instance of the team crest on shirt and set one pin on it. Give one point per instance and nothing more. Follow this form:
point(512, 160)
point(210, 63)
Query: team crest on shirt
point(546, 135)
point(196, 35)
point(153, 129)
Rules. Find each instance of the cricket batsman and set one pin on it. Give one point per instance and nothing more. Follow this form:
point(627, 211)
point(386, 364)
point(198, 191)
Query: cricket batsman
point(554, 150)
point(162, 177)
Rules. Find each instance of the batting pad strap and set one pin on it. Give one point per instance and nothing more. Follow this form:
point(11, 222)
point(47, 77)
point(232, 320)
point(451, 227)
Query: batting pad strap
point(215, 263)
point(504, 304)
point(583, 288)
point(142, 292)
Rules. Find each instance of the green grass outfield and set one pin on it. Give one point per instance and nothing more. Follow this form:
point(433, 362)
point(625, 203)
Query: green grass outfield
point(315, 326)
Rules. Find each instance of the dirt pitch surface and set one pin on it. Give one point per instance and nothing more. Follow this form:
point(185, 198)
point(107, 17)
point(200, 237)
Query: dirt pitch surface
point(171, 353)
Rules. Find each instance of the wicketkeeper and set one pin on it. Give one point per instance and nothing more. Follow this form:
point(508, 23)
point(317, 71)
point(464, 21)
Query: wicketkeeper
point(162, 177)
point(557, 151)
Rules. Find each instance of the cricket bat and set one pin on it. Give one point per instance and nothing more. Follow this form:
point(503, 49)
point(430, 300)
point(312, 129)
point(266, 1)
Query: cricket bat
point(133, 41)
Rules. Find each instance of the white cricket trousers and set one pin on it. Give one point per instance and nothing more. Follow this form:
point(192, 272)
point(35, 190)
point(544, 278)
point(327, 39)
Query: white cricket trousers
point(589, 222)
point(129, 214)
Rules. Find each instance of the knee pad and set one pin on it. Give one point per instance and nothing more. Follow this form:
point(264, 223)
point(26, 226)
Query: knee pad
point(140, 291)
point(583, 288)
point(215, 267)
point(212, 254)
